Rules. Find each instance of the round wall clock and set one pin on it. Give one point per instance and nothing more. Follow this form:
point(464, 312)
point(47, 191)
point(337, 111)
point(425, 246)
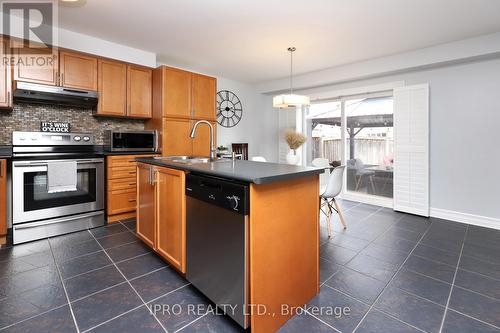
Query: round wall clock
point(229, 108)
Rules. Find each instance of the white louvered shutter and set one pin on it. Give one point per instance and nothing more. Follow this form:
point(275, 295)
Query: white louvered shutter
point(411, 149)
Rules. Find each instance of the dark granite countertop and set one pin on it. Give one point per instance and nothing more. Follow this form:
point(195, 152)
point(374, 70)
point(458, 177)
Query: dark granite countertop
point(113, 153)
point(245, 171)
point(5, 151)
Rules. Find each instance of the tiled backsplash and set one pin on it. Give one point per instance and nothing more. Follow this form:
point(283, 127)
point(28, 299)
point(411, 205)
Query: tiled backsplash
point(27, 117)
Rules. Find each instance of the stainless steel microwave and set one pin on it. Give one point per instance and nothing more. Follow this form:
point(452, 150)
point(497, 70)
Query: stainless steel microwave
point(131, 141)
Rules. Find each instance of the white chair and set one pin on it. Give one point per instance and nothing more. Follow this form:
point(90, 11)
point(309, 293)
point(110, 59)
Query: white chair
point(327, 199)
point(259, 159)
point(323, 178)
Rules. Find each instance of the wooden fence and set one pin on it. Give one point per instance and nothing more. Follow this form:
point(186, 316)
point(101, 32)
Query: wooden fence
point(370, 151)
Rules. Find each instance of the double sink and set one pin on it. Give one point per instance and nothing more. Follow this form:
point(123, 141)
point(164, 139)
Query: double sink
point(185, 159)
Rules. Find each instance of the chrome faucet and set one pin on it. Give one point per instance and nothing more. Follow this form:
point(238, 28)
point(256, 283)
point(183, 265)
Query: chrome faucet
point(213, 152)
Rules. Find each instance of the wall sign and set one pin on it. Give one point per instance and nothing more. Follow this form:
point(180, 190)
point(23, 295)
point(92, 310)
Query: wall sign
point(55, 127)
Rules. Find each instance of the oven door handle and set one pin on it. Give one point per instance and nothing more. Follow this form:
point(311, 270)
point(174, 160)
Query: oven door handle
point(36, 164)
point(59, 220)
point(90, 161)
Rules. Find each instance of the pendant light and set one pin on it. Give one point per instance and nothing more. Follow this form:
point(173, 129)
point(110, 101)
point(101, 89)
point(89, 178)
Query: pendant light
point(290, 100)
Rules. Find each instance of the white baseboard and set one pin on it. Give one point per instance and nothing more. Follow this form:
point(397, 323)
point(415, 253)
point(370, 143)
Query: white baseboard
point(367, 199)
point(445, 214)
point(482, 221)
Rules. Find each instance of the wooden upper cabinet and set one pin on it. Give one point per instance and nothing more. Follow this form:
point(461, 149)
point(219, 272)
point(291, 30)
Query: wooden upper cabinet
point(175, 137)
point(146, 226)
point(112, 87)
point(177, 93)
point(204, 91)
point(201, 141)
point(77, 71)
point(139, 92)
point(5, 78)
point(27, 71)
point(171, 216)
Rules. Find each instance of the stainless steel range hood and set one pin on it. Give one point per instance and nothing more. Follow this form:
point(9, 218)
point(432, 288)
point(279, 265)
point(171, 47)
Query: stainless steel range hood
point(44, 94)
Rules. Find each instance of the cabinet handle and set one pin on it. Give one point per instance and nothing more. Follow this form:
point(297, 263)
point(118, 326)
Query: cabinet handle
point(57, 78)
point(132, 172)
point(1, 168)
point(62, 79)
point(132, 200)
point(8, 98)
point(131, 184)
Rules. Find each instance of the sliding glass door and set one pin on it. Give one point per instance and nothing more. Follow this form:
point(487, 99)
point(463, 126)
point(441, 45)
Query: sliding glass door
point(356, 132)
point(369, 146)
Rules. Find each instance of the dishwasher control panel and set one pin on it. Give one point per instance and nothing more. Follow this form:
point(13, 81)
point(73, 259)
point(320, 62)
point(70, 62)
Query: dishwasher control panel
point(223, 193)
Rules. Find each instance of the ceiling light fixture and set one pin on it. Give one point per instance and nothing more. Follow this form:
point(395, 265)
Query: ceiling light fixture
point(290, 100)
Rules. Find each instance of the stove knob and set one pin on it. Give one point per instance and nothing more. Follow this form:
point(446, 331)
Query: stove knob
point(77, 138)
point(86, 138)
point(234, 201)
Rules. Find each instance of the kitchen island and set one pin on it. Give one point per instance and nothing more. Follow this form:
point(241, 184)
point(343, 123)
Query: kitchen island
point(283, 228)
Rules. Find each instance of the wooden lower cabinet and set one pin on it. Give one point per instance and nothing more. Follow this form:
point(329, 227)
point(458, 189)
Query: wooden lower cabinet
point(161, 212)
point(121, 187)
point(146, 219)
point(3, 200)
point(171, 216)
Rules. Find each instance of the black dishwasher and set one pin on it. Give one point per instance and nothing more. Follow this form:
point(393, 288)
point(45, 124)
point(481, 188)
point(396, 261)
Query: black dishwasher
point(217, 242)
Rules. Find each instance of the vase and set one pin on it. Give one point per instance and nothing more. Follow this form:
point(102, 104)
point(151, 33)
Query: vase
point(292, 157)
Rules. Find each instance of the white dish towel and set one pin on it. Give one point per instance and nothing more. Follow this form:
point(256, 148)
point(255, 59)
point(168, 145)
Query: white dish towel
point(62, 176)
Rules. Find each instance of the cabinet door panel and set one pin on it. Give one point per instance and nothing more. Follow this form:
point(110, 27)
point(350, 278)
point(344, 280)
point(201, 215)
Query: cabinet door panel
point(121, 201)
point(175, 137)
point(112, 87)
point(204, 90)
point(171, 216)
point(3, 197)
point(146, 229)
point(177, 92)
point(5, 79)
point(78, 71)
point(201, 142)
point(37, 65)
point(139, 92)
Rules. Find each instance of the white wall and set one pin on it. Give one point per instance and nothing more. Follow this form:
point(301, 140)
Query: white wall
point(85, 43)
point(481, 47)
point(464, 127)
point(258, 126)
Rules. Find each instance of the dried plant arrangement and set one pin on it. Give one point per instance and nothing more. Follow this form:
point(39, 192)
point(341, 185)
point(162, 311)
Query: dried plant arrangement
point(294, 139)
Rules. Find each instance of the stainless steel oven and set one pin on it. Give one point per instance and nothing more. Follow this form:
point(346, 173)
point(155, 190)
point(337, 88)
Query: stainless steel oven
point(32, 200)
point(38, 212)
point(130, 141)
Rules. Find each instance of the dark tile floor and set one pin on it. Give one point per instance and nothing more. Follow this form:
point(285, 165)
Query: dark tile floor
point(388, 272)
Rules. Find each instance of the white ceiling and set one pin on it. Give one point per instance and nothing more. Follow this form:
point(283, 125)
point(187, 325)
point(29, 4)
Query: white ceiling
point(247, 39)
